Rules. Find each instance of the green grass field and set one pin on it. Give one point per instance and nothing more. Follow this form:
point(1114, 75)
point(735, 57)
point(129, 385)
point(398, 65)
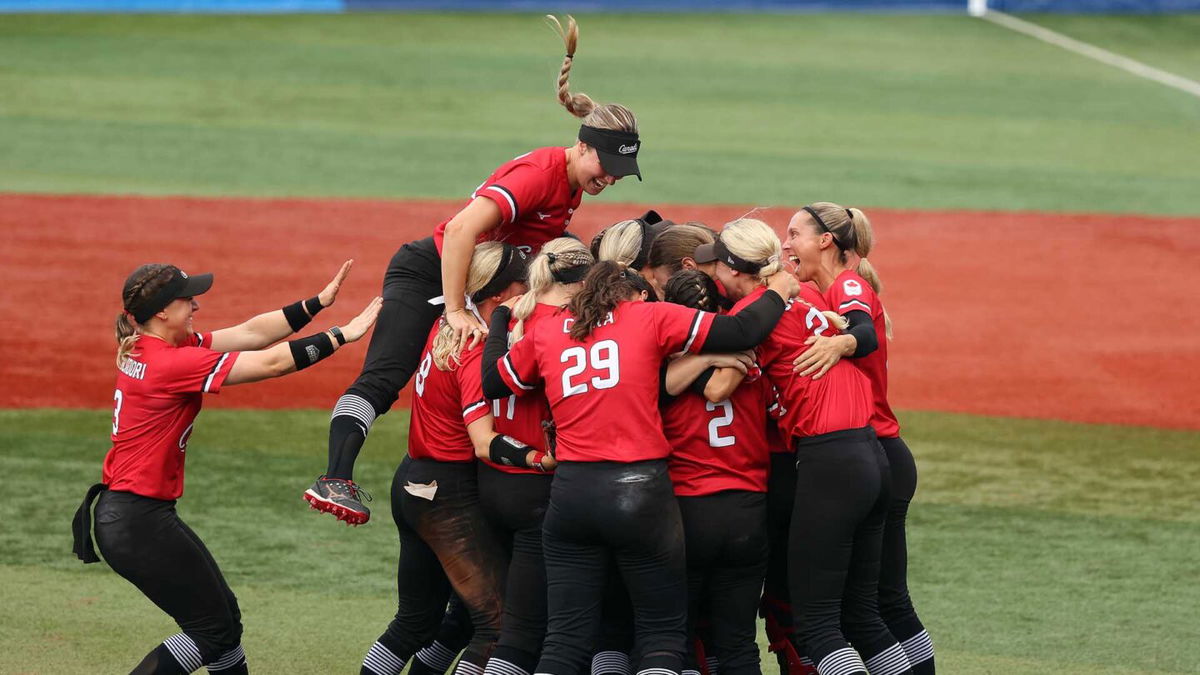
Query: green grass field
point(1036, 546)
point(900, 111)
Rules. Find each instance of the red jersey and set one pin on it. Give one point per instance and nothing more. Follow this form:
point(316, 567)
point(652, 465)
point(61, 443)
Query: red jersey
point(840, 400)
point(775, 440)
point(444, 403)
point(158, 395)
point(851, 292)
point(719, 446)
point(603, 392)
point(521, 416)
point(535, 199)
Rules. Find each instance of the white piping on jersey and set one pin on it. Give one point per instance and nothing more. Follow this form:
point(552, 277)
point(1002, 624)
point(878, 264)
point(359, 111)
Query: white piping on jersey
point(216, 369)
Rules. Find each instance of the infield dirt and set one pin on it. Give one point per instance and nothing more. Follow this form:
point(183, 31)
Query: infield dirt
point(1081, 317)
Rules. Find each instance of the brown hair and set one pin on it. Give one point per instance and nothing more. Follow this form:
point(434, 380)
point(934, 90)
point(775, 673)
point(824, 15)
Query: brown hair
point(142, 285)
point(852, 230)
point(674, 244)
point(607, 285)
point(692, 288)
point(611, 116)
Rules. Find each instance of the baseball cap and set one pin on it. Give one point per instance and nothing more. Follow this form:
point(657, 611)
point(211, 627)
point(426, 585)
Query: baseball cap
point(706, 253)
point(180, 285)
point(617, 150)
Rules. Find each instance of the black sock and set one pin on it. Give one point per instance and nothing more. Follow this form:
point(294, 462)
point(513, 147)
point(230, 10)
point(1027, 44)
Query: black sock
point(346, 437)
point(159, 662)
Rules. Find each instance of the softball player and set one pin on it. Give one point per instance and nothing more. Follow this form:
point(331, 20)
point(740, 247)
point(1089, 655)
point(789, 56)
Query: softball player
point(445, 541)
point(526, 202)
point(164, 368)
point(842, 477)
point(819, 236)
point(599, 367)
point(514, 499)
point(718, 465)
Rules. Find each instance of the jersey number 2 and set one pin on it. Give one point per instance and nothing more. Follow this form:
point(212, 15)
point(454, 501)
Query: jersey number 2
point(602, 356)
point(715, 439)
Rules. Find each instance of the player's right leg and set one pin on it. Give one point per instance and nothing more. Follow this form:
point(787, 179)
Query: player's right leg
point(413, 278)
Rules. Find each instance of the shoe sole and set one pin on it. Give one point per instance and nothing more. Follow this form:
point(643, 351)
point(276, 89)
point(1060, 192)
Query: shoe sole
point(338, 511)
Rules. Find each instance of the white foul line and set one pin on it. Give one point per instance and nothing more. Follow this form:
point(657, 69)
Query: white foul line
point(1102, 55)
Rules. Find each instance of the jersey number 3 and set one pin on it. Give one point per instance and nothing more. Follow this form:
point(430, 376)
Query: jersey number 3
point(603, 356)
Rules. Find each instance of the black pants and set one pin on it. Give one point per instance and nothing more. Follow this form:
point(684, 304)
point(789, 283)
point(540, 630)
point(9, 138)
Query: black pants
point(726, 536)
point(895, 606)
point(144, 540)
point(842, 494)
point(413, 277)
point(776, 600)
point(627, 511)
point(515, 504)
point(444, 542)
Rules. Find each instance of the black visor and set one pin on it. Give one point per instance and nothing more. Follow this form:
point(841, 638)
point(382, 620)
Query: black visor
point(726, 256)
point(180, 285)
point(618, 150)
point(512, 268)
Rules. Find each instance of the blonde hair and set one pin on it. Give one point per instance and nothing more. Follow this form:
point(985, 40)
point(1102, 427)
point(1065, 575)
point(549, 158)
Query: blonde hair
point(611, 116)
point(754, 240)
point(621, 242)
point(567, 253)
point(852, 230)
point(147, 281)
point(485, 262)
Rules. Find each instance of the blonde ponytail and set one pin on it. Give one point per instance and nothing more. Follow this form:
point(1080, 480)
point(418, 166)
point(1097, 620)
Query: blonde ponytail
point(127, 335)
point(567, 253)
point(485, 262)
point(852, 229)
point(610, 116)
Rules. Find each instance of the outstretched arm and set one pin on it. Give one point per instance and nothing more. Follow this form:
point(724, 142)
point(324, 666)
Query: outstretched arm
point(288, 357)
point(266, 329)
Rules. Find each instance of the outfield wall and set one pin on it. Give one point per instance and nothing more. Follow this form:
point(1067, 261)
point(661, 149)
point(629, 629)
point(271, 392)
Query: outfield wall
point(335, 6)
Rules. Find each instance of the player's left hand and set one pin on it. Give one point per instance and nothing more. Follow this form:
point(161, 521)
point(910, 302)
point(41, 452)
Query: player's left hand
point(328, 295)
point(822, 354)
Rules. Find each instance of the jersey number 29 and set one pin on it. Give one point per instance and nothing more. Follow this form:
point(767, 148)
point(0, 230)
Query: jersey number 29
point(603, 356)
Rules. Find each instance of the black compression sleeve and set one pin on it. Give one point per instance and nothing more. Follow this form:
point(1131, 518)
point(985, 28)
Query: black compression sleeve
point(299, 313)
point(508, 451)
point(495, 347)
point(863, 329)
point(701, 382)
point(308, 350)
point(747, 328)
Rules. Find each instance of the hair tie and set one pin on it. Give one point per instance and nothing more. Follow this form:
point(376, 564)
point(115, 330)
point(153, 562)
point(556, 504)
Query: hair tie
point(551, 258)
point(570, 56)
point(849, 214)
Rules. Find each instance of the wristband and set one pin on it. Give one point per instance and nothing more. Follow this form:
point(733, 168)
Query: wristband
point(508, 451)
point(313, 305)
point(337, 335)
point(295, 315)
point(537, 462)
point(308, 350)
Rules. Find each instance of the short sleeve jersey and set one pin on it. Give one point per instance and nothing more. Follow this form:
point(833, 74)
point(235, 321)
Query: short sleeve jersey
point(535, 199)
point(158, 395)
point(444, 403)
point(838, 401)
point(719, 446)
point(521, 417)
point(603, 391)
point(849, 293)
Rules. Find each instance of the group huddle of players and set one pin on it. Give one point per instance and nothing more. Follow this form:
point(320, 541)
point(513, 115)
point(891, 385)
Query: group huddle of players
point(659, 441)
